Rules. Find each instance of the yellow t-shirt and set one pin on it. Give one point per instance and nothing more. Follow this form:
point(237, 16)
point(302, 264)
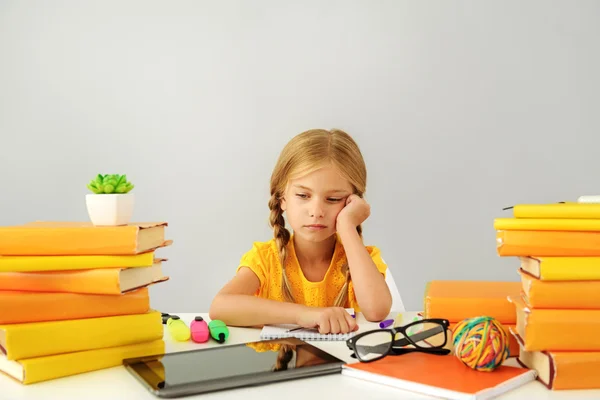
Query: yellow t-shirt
point(263, 260)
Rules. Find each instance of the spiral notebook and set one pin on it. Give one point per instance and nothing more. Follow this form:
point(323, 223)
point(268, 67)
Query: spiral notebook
point(285, 331)
point(291, 331)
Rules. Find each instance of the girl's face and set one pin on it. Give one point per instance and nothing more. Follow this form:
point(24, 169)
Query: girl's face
point(313, 202)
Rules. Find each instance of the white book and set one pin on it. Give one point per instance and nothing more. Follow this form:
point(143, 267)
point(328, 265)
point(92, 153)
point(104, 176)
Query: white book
point(591, 199)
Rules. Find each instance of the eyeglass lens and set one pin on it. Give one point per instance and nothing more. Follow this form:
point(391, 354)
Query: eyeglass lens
point(373, 345)
point(426, 335)
point(378, 343)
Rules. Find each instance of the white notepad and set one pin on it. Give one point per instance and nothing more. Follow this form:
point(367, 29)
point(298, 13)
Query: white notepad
point(282, 331)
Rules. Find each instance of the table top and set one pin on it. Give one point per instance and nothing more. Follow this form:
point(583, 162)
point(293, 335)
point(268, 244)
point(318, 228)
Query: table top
point(118, 383)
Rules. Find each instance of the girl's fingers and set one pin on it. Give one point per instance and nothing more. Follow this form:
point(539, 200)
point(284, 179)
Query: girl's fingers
point(324, 326)
point(334, 325)
point(344, 325)
point(351, 322)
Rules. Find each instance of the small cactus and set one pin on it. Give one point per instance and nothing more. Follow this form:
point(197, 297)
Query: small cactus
point(111, 183)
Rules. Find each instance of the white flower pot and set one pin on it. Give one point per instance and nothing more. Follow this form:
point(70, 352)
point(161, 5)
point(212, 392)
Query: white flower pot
point(110, 209)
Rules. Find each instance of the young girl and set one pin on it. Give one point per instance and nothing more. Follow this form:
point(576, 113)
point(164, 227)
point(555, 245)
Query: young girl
point(308, 278)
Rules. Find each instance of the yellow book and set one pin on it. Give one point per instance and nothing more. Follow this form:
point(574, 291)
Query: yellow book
point(547, 224)
point(73, 262)
point(36, 339)
point(38, 369)
point(562, 268)
point(567, 210)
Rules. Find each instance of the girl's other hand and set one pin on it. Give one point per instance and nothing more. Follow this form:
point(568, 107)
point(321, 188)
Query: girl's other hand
point(327, 320)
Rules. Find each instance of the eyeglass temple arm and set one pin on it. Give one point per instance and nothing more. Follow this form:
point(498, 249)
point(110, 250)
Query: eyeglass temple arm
point(433, 350)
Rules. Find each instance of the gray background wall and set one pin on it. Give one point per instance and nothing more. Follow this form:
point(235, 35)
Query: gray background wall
point(460, 107)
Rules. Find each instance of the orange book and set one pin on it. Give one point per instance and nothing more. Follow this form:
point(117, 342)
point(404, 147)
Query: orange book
point(556, 330)
point(22, 307)
point(513, 344)
point(111, 281)
point(547, 243)
point(563, 370)
point(440, 376)
point(456, 300)
point(546, 224)
point(80, 238)
point(560, 294)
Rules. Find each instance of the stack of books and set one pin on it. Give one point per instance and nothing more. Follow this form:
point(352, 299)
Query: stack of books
point(558, 307)
point(456, 300)
point(74, 297)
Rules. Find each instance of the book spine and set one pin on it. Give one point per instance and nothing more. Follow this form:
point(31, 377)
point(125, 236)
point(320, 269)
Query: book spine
point(579, 370)
point(537, 224)
point(24, 263)
point(92, 281)
point(99, 281)
point(38, 339)
point(51, 367)
point(24, 307)
point(570, 268)
point(562, 330)
point(547, 243)
point(68, 241)
point(561, 294)
point(557, 210)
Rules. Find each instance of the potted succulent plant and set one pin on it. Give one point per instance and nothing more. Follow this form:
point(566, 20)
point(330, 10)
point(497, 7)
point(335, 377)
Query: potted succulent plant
point(110, 202)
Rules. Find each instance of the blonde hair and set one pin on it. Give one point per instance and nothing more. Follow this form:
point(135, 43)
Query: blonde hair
point(305, 153)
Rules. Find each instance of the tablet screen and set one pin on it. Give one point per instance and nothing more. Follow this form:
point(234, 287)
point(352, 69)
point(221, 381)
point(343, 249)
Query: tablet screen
point(226, 364)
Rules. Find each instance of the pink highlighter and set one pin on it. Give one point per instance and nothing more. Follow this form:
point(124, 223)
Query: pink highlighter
point(199, 329)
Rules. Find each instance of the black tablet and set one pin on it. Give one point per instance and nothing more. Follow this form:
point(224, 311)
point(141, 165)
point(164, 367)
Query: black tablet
point(230, 366)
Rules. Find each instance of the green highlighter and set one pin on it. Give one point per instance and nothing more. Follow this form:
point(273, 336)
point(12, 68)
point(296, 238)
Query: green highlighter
point(218, 330)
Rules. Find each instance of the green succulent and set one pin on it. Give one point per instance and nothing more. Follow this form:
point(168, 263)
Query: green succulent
point(110, 183)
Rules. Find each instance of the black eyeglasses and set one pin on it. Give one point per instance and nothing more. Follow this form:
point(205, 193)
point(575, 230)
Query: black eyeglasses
point(426, 335)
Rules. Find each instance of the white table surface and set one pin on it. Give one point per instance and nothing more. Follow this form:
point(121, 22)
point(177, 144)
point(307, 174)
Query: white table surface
point(117, 383)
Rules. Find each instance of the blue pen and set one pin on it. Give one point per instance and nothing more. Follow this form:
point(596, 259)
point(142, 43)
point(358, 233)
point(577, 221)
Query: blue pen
point(386, 323)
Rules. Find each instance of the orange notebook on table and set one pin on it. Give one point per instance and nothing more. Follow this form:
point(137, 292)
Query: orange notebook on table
point(441, 376)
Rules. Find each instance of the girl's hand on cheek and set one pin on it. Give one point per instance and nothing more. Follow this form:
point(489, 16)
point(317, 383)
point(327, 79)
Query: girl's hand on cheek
point(354, 213)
